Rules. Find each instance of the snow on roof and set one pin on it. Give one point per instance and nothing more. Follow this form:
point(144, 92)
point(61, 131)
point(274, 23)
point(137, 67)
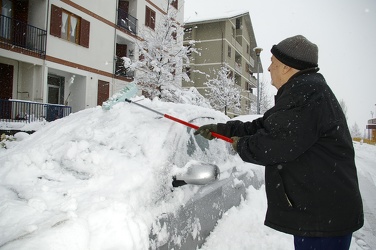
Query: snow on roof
point(193, 15)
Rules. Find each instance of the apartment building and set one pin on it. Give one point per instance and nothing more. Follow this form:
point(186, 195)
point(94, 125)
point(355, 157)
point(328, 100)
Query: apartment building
point(228, 40)
point(69, 52)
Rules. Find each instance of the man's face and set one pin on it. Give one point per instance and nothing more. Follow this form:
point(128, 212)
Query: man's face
point(276, 70)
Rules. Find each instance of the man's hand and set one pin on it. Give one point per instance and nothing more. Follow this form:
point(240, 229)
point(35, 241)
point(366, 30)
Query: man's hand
point(235, 140)
point(205, 131)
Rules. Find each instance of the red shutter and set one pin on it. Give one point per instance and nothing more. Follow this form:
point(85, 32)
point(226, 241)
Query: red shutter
point(147, 17)
point(150, 18)
point(85, 33)
point(56, 21)
point(174, 3)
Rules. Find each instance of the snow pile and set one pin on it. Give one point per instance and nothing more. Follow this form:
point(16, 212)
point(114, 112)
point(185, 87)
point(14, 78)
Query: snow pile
point(24, 126)
point(95, 179)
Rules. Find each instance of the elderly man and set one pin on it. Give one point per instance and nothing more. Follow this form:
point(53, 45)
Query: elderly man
point(306, 148)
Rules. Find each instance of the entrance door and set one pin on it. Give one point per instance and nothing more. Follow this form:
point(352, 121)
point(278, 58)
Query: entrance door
point(55, 89)
point(6, 81)
point(103, 92)
point(20, 23)
point(55, 96)
point(124, 6)
point(6, 87)
point(123, 20)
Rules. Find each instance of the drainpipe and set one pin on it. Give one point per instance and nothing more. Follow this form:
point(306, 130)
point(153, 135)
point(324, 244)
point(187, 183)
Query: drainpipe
point(44, 89)
point(222, 49)
point(114, 54)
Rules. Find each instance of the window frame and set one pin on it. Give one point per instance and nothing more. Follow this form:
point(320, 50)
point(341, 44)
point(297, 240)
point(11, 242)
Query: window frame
point(77, 30)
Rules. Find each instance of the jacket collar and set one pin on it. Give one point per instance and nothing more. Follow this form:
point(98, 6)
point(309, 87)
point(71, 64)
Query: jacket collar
point(299, 73)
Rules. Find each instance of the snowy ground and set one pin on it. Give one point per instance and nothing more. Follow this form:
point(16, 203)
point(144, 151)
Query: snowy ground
point(63, 218)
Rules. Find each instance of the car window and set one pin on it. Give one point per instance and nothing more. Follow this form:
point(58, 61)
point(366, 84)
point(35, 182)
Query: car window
point(188, 146)
point(196, 142)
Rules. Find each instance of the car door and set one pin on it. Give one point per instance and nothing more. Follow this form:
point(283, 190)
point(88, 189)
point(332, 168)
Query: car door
point(188, 227)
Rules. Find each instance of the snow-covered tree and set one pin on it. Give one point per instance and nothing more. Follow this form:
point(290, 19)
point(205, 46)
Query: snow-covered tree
point(222, 91)
point(265, 99)
point(162, 57)
point(355, 131)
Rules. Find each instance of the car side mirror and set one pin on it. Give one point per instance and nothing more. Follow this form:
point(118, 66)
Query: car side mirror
point(197, 173)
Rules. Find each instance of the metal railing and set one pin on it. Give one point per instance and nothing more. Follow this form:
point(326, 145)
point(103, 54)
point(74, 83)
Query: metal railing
point(25, 111)
point(20, 34)
point(121, 70)
point(127, 21)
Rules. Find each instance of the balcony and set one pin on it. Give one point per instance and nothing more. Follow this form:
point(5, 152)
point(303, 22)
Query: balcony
point(121, 70)
point(22, 35)
point(127, 21)
point(26, 111)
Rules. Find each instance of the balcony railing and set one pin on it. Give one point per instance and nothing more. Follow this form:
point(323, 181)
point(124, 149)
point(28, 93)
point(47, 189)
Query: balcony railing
point(121, 70)
point(127, 21)
point(20, 34)
point(25, 111)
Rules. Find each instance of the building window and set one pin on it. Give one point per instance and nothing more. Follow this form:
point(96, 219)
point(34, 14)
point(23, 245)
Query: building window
point(150, 18)
point(238, 23)
point(229, 51)
point(174, 3)
point(69, 26)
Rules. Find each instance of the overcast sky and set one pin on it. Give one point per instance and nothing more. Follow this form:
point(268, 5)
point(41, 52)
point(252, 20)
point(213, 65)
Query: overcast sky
point(344, 30)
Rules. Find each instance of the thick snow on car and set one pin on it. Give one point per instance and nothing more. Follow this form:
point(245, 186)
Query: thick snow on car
point(123, 178)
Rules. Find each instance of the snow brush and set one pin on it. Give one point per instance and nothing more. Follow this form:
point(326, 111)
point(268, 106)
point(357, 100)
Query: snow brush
point(180, 121)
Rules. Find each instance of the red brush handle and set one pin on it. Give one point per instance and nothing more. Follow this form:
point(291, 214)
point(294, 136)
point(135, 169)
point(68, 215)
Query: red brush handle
point(196, 127)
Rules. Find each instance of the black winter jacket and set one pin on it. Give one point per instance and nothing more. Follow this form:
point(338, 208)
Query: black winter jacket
point(304, 142)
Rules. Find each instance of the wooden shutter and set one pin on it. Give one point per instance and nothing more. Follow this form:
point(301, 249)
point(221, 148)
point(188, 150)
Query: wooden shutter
point(85, 33)
point(174, 3)
point(56, 21)
point(147, 17)
point(150, 18)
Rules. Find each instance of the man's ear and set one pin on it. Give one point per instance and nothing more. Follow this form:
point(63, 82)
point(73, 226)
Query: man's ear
point(288, 70)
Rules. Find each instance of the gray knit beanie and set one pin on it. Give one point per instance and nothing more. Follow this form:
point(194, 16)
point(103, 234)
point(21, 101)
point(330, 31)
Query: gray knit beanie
point(297, 52)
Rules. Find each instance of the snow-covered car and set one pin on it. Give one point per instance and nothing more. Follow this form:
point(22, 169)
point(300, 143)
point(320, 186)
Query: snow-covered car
point(103, 179)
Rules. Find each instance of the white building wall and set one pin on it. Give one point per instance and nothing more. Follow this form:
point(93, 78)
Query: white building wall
point(101, 43)
point(103, 8)
point(67, 59)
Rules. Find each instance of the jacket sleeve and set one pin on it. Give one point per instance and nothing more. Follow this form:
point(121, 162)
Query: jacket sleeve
point(286, 134)
point(240, 129)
